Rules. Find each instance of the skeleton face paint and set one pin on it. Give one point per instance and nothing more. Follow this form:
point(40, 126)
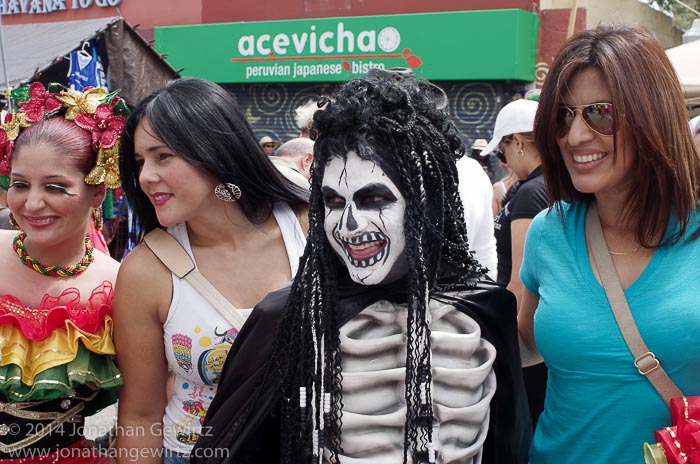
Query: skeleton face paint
point(365, 219)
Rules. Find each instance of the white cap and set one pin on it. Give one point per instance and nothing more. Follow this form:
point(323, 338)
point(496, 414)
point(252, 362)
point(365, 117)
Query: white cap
point(515, 118)
point(693, 123)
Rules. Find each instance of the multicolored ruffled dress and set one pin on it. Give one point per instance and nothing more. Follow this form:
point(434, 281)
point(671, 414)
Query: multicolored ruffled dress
point(56, 367)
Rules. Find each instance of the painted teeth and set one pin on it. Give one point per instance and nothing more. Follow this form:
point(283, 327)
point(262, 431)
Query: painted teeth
point(370, 236)
point(588, 158)
point(363, 246)
point(362, 242)
point(369, 261)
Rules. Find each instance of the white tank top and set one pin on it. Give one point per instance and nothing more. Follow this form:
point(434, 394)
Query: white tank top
point(197, 339)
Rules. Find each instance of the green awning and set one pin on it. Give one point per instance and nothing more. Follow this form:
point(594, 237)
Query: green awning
point(461, 45)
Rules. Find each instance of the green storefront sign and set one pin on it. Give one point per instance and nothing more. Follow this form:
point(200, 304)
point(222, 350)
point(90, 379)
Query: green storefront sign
point(462, 45)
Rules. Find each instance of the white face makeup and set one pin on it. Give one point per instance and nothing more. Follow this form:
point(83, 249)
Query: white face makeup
point(365, 219)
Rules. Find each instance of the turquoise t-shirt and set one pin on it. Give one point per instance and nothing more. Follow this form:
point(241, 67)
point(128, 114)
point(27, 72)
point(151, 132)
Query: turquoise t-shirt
point(598, 408)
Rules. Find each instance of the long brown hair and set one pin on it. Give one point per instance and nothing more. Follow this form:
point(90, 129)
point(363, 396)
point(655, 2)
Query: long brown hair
point(648, 104)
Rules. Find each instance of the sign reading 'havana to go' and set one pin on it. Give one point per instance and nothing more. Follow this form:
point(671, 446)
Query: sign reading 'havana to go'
point(12, 7)
point(435, 45)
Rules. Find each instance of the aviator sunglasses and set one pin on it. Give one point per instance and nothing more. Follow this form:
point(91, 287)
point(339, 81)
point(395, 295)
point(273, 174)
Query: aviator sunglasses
point(599, 117)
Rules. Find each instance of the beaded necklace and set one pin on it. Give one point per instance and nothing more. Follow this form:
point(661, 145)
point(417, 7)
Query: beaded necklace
point(52, 271)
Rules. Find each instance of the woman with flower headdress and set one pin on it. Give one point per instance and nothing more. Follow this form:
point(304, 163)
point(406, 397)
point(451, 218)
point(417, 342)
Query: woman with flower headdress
point(57, 157)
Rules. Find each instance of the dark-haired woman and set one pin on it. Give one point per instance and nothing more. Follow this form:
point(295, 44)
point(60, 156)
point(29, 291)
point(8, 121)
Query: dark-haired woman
point(393, 347)
point(624, 159)
point(191, 165)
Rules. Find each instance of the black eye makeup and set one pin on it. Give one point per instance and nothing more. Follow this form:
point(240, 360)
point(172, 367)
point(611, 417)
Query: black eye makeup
point(374, 196)
point(18, 184)
point(50, 187)
point(332, 199)
point(58, 188)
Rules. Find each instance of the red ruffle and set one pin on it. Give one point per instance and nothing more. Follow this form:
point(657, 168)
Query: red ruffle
point(53, 311)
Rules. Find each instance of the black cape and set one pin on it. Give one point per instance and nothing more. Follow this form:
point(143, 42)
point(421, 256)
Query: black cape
point(243, 424)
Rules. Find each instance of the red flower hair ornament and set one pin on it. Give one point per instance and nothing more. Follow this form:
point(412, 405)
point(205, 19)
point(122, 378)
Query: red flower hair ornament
point(94, 110)
point(41, 103)
point(103, 124)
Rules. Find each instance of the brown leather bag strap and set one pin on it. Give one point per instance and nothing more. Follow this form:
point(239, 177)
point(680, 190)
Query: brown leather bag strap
point(645, 360)
point(174, 257)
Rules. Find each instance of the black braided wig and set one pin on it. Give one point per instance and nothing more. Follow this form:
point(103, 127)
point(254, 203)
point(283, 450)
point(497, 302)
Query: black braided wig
point(397, 125)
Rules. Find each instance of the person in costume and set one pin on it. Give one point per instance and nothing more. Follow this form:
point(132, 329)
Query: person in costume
point(390, 345)
point(191, 165)
point(623, 158)
point(58, 154)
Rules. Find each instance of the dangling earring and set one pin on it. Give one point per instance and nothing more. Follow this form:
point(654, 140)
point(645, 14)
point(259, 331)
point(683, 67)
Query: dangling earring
point(521, 153)
point(97, 218)
point(13, 222)
point(227, 192)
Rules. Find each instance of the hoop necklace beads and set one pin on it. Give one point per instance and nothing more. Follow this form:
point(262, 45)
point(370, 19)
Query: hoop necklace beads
point(53, 271)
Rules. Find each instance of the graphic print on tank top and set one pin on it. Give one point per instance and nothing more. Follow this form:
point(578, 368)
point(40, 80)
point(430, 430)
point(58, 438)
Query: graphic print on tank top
point(208, 367)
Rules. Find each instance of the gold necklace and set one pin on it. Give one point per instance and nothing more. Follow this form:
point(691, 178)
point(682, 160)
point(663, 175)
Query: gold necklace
point(625, 253)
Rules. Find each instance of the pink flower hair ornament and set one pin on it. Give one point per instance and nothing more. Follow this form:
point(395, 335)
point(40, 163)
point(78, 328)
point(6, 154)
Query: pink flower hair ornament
point(94, 110)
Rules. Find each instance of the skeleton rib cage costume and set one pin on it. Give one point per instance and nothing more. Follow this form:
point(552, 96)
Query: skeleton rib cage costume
point(298, 386)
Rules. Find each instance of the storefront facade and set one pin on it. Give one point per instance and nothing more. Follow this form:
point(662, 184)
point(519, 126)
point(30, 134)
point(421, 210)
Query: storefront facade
point(272, 61)
point(274, 66)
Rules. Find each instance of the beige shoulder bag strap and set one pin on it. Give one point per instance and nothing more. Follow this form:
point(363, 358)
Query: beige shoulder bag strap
point(645, 360)
point(170, 252)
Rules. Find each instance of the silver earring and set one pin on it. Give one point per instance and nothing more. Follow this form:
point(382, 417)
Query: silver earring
point(228, 192)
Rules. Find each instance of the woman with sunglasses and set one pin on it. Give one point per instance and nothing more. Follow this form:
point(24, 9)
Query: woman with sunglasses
point(612, 131)
point(513, 145)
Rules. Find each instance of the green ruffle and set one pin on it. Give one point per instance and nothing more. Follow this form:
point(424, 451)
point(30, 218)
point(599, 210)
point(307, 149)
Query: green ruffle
point(86, 368)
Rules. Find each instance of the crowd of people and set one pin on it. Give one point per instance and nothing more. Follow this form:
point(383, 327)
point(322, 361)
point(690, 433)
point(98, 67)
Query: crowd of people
point(361, 293)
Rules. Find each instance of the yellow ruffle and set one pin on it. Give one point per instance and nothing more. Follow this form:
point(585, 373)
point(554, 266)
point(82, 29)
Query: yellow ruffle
point(60, 347)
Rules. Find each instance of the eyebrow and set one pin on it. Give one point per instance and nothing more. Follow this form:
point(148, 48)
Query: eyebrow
point(586, 104)
point(158, 147)
point(373, 189)
point(47, 178)
point(153, 149)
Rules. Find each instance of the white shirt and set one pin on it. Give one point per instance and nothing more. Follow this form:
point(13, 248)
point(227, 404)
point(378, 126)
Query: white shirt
point(476, 193)
point(197, 339)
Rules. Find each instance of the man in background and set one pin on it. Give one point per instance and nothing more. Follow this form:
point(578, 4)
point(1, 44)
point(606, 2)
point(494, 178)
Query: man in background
point(476, 193)
point(294, 159)
point(268, 144)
